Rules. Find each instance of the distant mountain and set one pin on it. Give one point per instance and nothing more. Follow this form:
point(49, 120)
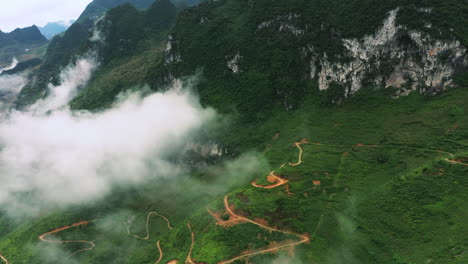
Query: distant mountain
point(21, 42)
point(55, 28)
point(29, 36)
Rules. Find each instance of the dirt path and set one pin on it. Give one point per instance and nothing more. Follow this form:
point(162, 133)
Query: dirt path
point(147, 226)
point(43, 237)
point(304, 238)
point(189, 259)
point(161, 254)
point(226, 223)
point(4, 259)
point(301, 151)
point(235, 219)
point(272, 178)
point(158, 244)
point(456, 162)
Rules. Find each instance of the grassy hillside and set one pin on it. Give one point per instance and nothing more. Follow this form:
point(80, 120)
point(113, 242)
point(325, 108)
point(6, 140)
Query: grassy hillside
point(386, 194)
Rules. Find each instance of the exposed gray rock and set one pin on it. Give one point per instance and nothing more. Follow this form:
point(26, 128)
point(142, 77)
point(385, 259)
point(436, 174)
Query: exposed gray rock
point(392, 57)
point(283, 23)
point(171, 55)
point(233, 64)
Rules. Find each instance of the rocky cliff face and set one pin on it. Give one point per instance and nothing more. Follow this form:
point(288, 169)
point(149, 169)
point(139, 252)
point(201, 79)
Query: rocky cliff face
point(283, 52)
point(392, 57)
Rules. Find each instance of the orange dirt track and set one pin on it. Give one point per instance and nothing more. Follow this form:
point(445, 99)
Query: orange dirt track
point(271, 178)
point(301, 151)
point(304, 238)
point(234, 219)
point(189, 259)
point(43, 237)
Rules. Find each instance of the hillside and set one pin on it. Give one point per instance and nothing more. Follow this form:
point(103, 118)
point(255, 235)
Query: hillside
point(339, 136)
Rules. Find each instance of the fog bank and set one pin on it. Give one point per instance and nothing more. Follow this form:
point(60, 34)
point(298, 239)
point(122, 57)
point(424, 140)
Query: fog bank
point(51, 154)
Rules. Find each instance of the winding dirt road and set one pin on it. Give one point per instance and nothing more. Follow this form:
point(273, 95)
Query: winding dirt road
point(272, 178)
point(147, 225)
point(275, 179)
point(189, 259)
point(301, 151)
point(304, 238)
point(4, 259)
point(158, 244)
point(234, 219)
point(456, 162)
point(43, 237)
point(161, 254)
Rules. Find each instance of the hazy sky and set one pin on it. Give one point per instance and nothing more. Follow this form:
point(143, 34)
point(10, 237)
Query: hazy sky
point(24, 13)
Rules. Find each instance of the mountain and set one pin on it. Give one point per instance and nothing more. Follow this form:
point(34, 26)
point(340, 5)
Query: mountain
point(22, 43)
point(341, 135)
point(301, 50)
point(98, 7)
point(128, 30)
point(30, 35)
point(54, 28)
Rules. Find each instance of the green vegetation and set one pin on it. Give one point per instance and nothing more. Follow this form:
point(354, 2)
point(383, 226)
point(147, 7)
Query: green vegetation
point(275, 63)
point(383, 193)
point(394, 200)
point(60, 51)
point(98, 7)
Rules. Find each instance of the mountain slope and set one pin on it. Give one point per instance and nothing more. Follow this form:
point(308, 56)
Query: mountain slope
point(321, 162)
point(274, 52)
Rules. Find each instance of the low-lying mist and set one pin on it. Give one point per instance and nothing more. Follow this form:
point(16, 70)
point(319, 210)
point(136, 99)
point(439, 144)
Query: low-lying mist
point(51, 155)
point(10, 86)
point(13, 64)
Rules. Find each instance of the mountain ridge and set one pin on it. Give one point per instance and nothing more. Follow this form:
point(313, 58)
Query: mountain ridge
point(22, 43)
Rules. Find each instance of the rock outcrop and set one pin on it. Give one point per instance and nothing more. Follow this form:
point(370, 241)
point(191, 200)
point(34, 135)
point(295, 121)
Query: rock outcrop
point(392, 57)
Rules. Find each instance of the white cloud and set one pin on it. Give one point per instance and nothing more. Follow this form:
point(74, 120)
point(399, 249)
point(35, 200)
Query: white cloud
point(24, 13)
point(13, 64)
point(54, 155)
point(10, 86)
point(72, 79)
